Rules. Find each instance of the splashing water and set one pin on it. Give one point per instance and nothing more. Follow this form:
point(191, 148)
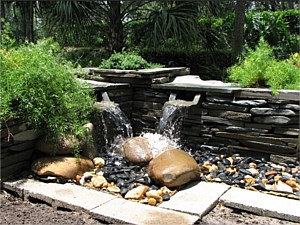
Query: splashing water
point(159, 143)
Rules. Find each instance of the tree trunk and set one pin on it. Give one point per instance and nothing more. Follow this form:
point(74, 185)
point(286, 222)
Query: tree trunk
point(116, 26)
point(238, 30)
point(2, 15)
point(27, 17)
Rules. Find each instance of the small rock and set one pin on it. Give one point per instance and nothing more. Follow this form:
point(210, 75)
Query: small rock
point(213, 168)
point(155, 194)
point(137, 193)
point(166, 197)
point(249, 179)
point(152, 201)
point(253, 171)
point(271, 172)
point(293, 184)
point(114, 189)
point(99, 182)
point(98, 162)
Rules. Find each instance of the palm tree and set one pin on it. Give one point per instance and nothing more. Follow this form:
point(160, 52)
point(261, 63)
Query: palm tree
point(173, 19)
point(72, 18)
point(238, 30)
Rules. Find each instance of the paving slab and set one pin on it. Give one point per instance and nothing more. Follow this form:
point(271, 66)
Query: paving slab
point(124, 211)
point(262, 204)
point(67, 195)
point(197, 198)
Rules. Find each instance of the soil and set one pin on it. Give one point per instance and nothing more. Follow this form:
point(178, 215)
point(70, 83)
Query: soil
point(14, 210)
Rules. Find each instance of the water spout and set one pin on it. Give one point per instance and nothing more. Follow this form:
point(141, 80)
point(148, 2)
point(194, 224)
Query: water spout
point(172, 97)
point(105, 96)
point(172, 116)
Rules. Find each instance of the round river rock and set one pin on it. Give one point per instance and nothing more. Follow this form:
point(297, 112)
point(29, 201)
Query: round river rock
point(173, 168)
point(137, 151)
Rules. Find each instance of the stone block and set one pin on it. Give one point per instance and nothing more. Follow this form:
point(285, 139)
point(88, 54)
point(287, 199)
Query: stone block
point(210, 105)
point(272, 119)
point(262, 204)
point(270, 111)
point(265, 139)
point(230, 115)
point(287, 131)
point(26, 135)
point(14, 169)
point(272, 148)
point(117, 212)
point(22, 146)
point(217, 120)
point(197, 198)
point(13, 130)
point(12, 159)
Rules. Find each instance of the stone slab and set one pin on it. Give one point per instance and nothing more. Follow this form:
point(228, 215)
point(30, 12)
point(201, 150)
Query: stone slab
point(197, 198)
point(262, 204)
point(67, 195)
point(124, 211)
point(100, 85)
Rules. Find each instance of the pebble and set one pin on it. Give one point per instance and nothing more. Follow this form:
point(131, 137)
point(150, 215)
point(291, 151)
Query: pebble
point(152, 201)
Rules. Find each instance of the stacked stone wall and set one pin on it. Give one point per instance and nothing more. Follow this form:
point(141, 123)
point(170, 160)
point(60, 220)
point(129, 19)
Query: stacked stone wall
point(244, 120)
point(17, 146)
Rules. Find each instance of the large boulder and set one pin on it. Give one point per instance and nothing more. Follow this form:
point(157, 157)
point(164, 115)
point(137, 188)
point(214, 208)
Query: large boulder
point(67, 167)
point(173, 168)
point(70, 144)
point(64, 146)
point(137, 151)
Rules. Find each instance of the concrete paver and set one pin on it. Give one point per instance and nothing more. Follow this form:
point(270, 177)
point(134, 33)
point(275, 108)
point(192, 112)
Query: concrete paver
point(262, 204)
point(196, 198)
point(67, 195)
point(124, 211)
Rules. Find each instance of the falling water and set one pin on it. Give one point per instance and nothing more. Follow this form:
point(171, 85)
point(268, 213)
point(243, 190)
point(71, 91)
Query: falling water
point(114, 124)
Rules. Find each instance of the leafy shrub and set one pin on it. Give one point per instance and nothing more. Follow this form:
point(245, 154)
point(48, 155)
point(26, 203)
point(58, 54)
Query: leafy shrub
point(48, 95)
point(260, 68)
point(125, 61)
point(282, 75)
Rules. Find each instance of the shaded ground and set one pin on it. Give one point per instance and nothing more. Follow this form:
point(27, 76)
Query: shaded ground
point(14, 210)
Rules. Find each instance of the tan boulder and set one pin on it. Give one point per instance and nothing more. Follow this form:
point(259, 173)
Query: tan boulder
point(136, 150)
point(173, 168)
point(67, 167)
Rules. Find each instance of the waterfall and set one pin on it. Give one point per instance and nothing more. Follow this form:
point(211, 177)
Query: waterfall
point(114, 126)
